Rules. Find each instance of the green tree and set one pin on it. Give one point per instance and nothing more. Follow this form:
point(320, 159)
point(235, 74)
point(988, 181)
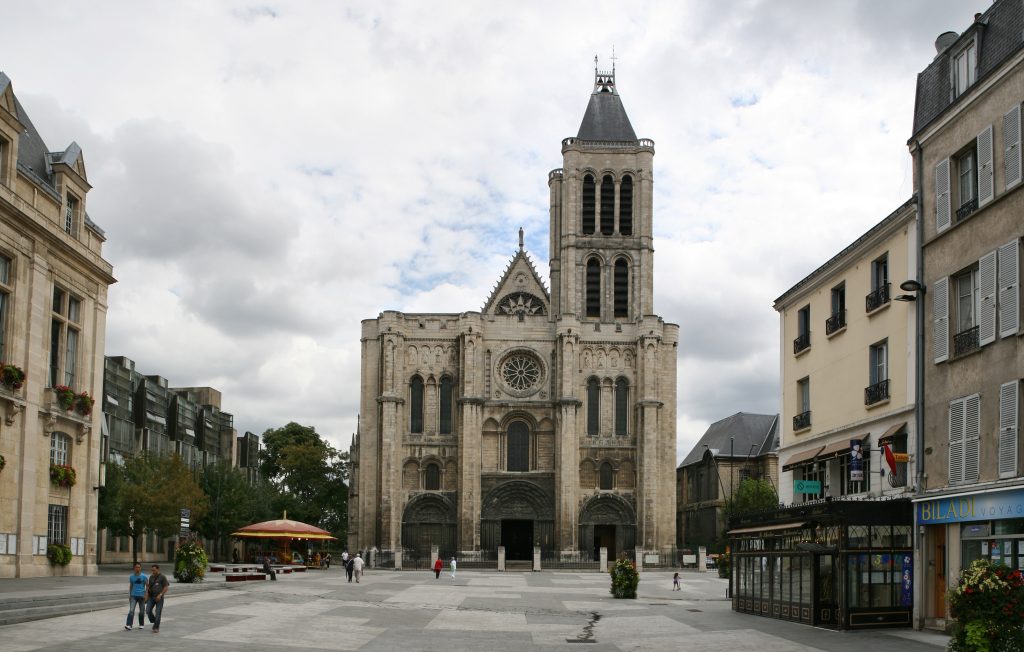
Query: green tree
point(310, 475)
point(146, 494)
point(230, 504)
point(752, 496)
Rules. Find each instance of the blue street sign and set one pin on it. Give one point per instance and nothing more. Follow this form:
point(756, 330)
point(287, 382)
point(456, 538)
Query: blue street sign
point(806, 486)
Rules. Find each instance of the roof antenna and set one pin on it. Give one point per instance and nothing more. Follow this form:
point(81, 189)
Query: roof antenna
point(520, 238)
point(595, 64)
point(613, 60)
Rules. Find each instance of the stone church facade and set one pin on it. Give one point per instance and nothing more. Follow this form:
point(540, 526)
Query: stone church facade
point(547, 418)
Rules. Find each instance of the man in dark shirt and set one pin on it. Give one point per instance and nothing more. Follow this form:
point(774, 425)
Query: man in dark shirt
point(156, 587)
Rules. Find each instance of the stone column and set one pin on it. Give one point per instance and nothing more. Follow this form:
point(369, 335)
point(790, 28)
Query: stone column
point(603, 566)
point(501, 559)
point(639, 559)
point(702, 559)
point(536, 558)
point(567, 447)
point(469, 443)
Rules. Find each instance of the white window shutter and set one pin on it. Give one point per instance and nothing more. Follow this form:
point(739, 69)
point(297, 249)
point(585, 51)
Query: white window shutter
point(940, 319)
point(1009, 289)
point(956, 441)
point(987, 290)
point(1011, 147)
point(972, 438)
point(1009, 401)
point(986, 167)
point(942, 198)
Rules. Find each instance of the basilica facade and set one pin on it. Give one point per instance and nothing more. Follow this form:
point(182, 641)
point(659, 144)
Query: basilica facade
point(548, 418)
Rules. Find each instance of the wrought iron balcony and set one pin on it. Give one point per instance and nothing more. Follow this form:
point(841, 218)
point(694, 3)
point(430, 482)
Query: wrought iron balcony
point(965, 341)
point(877, 299)
point(802, 420)
point(968, 207)
point(801, 342)
point(877, 392)
point(835, 322)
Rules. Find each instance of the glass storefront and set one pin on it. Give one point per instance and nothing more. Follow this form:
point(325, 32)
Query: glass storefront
point(1001, 542)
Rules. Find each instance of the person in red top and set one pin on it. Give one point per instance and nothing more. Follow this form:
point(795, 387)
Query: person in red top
point(438, 565)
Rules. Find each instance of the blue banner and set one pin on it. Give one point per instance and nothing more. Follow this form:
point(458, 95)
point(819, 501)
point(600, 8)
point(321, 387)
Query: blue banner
point(907, 582)
point(978, 507)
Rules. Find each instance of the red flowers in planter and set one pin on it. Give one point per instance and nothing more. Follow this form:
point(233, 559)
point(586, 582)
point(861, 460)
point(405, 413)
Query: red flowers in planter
point(11, 376)
point(81, 403)
point(63, 475)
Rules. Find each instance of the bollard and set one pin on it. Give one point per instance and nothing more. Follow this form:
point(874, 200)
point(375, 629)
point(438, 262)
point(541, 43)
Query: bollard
point(639, 559)
point(536, 558)
point(501, 559)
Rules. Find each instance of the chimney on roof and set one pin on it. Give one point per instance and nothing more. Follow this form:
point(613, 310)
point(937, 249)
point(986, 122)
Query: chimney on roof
point(945, 40)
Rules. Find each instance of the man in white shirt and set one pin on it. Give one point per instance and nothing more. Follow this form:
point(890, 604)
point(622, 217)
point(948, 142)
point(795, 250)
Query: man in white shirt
point(357, 566)
point(453, 565)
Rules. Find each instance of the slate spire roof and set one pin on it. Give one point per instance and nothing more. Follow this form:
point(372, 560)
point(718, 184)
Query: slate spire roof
point(752, 435)
point(606, 118)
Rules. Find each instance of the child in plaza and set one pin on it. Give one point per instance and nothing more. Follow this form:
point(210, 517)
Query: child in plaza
point(454, 565)
point(136, 595)
point(438, 565)
point(675, 582)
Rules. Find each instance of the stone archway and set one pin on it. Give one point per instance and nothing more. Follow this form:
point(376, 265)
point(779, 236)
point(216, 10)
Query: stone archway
point(609, 521)
point(428, 520)
point(518, 514)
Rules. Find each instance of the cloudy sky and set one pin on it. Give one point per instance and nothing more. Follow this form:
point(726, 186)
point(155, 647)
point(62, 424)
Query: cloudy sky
point(269, 174)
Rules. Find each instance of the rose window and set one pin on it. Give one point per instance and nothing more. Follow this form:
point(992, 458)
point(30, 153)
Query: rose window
point(520, 372)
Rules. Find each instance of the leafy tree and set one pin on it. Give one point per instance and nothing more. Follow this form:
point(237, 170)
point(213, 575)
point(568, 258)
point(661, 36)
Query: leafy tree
point(146, 494)
point(310, 475)
point(752, 496)
point(230, 503)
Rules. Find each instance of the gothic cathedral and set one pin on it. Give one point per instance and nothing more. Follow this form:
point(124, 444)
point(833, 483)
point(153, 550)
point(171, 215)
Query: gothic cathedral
point(547, 418)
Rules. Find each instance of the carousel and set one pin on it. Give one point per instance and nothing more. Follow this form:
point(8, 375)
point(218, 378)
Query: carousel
point(283, 534)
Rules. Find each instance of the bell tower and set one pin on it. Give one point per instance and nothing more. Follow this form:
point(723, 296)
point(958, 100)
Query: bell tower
point(601, 235)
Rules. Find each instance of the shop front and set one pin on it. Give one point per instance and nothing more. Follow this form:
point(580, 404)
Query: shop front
point(833, 563)
point(954, 530)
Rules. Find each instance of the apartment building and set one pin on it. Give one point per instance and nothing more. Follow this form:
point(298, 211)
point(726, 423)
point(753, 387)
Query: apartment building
point(53, 307)
point(966, 147)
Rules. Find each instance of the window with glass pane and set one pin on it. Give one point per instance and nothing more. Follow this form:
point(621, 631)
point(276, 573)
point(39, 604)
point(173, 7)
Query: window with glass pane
point(880, 272)
point(416, 405)
point(64, 337)
point(803, 391)
point(593, 407)
point(518, 446)
point(432, 477)
point(857, 536)
point(839, 299)
point(967, 301)
point(5, 300)
point(879, 362)
point(964, 67)
point(606, 476)
point(59, 448)
point(621, 407)
point(69, 214)
point(968, 175)
point(445, 407)
point(57, 524)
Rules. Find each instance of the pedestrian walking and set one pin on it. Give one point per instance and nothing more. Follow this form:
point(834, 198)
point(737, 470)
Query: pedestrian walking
point(357, 567)
point(438, 565)
point(344, 557)
point(327, 561)
point(349, 567)
point(136, 595)
point(675, 582)
point(156, 587)
point(453, 566)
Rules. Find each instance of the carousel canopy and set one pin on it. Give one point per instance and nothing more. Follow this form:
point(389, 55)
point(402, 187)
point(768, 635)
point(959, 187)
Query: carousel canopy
point(282, 528)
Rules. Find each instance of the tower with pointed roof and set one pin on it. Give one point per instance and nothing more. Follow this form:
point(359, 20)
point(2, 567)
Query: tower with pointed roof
point(546, 419)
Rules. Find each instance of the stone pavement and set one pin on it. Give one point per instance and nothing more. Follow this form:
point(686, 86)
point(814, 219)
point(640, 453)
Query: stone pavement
point(480, 610)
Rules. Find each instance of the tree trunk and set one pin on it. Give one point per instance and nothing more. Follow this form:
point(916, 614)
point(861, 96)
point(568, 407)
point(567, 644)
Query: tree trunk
point(135, 549)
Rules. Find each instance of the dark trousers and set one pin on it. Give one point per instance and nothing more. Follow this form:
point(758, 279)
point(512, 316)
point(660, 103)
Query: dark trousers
point(132, 601)
point(437, 573)
point(158, 606)
point(349, 570)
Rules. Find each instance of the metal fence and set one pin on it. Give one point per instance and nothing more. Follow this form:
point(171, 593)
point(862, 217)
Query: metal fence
point(576, 560)
point(478, 559)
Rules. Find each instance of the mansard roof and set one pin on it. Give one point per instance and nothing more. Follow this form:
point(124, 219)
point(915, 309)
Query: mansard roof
point(605, 118)
point(509, 284)
point(753, 435)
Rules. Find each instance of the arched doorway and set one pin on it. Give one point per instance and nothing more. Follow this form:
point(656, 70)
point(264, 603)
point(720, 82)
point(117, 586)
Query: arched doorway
point(428, 520)
point(607, 521)
point(518, 515)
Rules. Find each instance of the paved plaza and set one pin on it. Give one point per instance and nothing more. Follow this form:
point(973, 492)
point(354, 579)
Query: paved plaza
point(479, 610)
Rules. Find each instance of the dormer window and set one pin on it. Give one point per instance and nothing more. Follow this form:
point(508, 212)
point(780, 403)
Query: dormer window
point(965, 69)
point(69, 214)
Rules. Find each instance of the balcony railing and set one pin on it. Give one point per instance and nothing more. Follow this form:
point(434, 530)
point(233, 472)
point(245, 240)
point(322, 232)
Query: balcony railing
point(877, 392)
point(835, 322)
point(801, 342)
point(802, 420)
point(965, 341)
point(968, 207)
point(877, 299)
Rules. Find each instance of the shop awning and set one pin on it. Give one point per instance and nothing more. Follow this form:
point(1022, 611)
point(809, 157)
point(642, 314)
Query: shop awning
point(801, 458)
point(768, 528)
point(891, 433)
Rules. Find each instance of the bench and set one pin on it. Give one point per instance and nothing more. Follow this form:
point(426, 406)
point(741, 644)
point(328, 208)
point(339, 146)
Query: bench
point(244, 577)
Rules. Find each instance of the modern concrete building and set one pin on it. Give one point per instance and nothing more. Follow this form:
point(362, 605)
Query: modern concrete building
point(966, 146)
point(730, 451)
point(848, 369)
point(544, 419)
point(53, 307)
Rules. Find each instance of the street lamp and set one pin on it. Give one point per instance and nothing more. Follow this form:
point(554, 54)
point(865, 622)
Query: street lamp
point(910, 286)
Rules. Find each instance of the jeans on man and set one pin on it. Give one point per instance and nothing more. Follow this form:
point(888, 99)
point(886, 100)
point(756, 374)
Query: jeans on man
point(154, 618)
point(132, 601)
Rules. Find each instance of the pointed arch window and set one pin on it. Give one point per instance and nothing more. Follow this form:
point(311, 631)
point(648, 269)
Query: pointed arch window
point(607, 205)
point(416, 405)
point(621, 407)
point(589, 203)
point(432, 478)
point(606, 476)
point(593, 407)
point(626, 206)
point(593, 288)
point(621, 282)
point(445, 407)
point(518, 447)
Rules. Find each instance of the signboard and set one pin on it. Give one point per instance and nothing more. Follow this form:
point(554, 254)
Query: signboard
point(185, 517)
point(977, 507)
point(901, 457)
point(856, 461)
point(806, 486)
point(907, 582)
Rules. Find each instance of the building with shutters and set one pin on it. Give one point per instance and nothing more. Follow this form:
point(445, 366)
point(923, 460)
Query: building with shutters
point(544, 419)
point(966, 146)
point(53, 307)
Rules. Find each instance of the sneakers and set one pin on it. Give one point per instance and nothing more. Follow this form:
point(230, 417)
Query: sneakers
point(127, 628)
point(156, 630)
point(140, 627)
